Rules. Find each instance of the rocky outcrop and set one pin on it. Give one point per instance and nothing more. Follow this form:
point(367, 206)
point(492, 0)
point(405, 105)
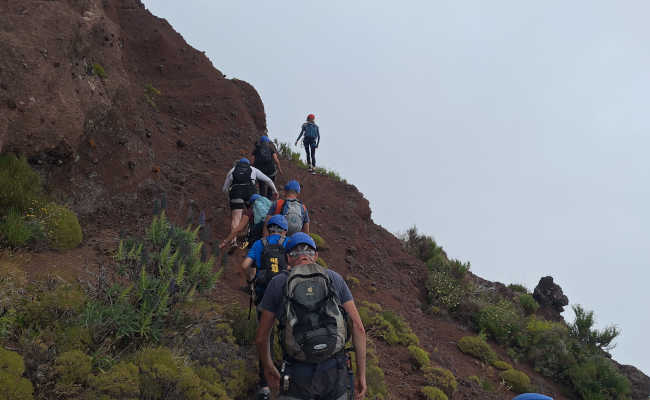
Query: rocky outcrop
point(550, 295)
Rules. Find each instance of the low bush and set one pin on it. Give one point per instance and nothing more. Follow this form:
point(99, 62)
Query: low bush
point(48, 307)
point(20, 185)
point(352, 281)
point(244, 329)
point(122, 381)
point(518, 288)
point(61, 226)
point(72, 370)
point(15, 229)
point(582, 329)
point(386, 325)
point(377, 389)
point(598, 379)
point(322, 262)
point(419, 355)
point(501, 365)
point(501, 321)
point(14, 386)
point(477, 347)
point(441, 378)
point(99, 71)
point(517, 381)
point(433, 393)
point(320, 242)
point(528, 304)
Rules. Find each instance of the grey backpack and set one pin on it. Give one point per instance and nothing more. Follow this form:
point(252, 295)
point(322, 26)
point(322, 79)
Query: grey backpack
point(312, 321)
point(293, 211)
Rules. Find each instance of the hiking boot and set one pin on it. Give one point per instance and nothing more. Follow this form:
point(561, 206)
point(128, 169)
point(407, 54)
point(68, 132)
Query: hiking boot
point(264, 394)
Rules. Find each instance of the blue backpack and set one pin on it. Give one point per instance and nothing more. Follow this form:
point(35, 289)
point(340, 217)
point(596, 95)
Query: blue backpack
point(311, 130)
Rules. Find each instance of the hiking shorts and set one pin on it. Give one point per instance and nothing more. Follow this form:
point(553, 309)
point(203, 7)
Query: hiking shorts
point(239, 194)
point(332, 383)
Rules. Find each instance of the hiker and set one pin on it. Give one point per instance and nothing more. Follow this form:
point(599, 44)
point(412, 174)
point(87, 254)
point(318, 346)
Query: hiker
point(312, 305)
point(265, 158)
point(268, 257)
point(251, 221)
point(240, 185)
point(532, 396)
point(295, 212)
point(311, 140)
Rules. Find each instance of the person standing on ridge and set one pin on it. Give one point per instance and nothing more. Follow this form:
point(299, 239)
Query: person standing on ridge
point(240, 185)
point(252, 221)
point(263, 262)
point(311, 304)
point(311, 140)
point(265, 158)
point(293, 210)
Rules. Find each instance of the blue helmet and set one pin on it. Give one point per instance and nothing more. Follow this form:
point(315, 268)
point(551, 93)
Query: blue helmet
point(244, 160)
point(278, 220)
point(265, 139)
point(532, 396)
point(293, 185)
point(253, 198)
point(300, 238)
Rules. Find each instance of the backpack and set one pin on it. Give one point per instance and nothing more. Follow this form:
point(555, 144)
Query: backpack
point(260, 209)
point(311, 130)
point(264, 156)
point(312, 321)
point(293, 211)
point(273, 261)
point(242, 174)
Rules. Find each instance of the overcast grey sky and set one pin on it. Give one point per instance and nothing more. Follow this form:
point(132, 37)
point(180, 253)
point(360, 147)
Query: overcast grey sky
point(515, 133)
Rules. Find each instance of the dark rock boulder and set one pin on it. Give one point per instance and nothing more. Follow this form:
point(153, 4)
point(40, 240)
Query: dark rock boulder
point(550, 295)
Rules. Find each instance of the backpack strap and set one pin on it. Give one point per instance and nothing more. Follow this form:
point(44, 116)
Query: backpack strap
point(265, 242)
point(279, 206)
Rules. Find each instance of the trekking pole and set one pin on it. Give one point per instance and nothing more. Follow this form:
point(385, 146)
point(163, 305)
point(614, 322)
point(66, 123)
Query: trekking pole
point(250, 303)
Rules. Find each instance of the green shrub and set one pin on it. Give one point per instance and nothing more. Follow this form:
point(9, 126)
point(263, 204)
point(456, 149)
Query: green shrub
point(582, 330)
point(433, 393)
point(517, 381)
point(72, 369)
point(352, 281)
point(99, 71)
point(501, 365)
point(72, 337)
point(47, 308)
point(15, 229)
point(61, 226)
point(477, 347)
point(375, 382)
point(20, 185)
point(122, 381)
point(320, 242)
point(419, 355)
point(598, 379)
point(500, 321)
point(321, 262)
point(386, 325)
point(14, 386)
point(162, 376)
point(441, 378)
point(150, 94)
point(545, 345)
point(528, 304)
point(518, 288)
point(243, 328)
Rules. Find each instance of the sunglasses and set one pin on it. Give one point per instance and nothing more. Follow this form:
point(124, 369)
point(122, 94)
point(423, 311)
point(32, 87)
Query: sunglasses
point(298, 253)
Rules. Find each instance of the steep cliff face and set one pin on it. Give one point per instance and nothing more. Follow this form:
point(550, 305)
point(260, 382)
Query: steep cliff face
point(113, 106)
point(114, 109)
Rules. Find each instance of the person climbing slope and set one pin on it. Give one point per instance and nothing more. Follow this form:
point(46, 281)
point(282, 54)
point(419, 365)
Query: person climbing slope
point(294, 211)
point(252, 221)
point(313, 306)
point(311, 140)
point(240, 185)
point(265, 158)
point(268, 257)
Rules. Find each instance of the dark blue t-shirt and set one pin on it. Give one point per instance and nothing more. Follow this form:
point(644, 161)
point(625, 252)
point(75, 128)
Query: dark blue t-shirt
point(274, 293)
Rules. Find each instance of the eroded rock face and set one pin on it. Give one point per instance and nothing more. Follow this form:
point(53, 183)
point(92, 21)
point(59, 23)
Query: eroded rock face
point(639, 382)
point(550, 295)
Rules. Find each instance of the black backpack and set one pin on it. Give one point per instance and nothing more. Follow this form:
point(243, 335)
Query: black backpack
point(242, 173)
point(273, 261)
point(264, 156)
